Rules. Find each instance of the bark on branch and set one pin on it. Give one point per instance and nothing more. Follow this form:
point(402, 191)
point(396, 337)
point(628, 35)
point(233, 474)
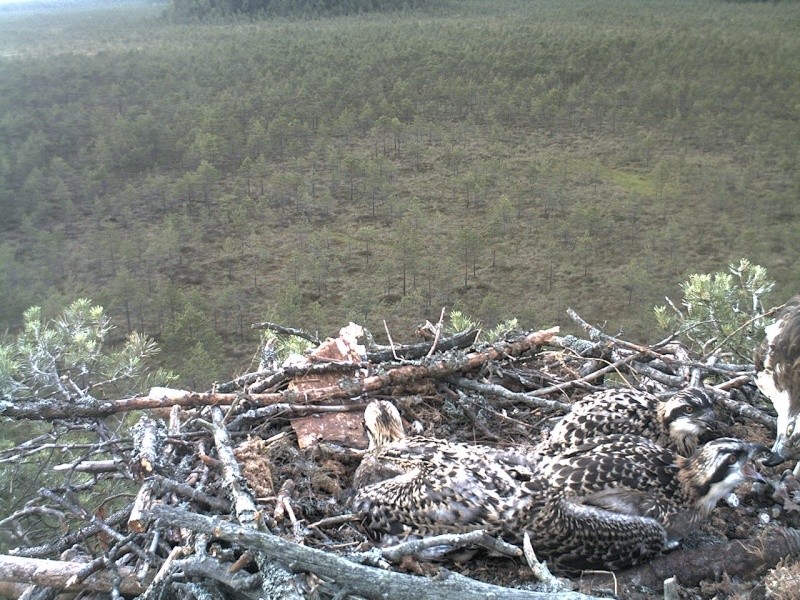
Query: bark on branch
point(357, 579)
point(744, 559)
point(56, 573)
point(347, 387)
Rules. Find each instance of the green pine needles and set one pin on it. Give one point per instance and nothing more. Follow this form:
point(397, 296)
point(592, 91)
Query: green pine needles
point(68, 357)
point(721, 312)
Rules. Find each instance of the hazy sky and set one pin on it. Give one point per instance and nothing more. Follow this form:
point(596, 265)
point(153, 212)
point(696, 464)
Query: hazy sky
point(27, 1)
point(45, 2)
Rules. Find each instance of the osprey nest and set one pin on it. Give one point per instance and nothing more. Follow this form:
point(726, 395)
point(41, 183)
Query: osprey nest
point(248, 490)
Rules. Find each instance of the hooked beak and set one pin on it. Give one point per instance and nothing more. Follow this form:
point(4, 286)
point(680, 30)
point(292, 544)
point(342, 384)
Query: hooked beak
point(777, 455)
point(709, 420)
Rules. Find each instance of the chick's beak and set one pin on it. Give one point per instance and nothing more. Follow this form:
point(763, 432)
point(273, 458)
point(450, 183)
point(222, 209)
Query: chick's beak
point(750, 472)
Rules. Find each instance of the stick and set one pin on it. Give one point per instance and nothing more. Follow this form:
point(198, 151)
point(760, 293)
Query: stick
point(460, 340)
point(493, 389)
point(56, 573)
point(744, 559)
point(349, 387)
point(358, 579)
point(287, 331)
point(244, 505)
point(436, 337)
point(594, 332)
point(456, 540)
point(540, 570)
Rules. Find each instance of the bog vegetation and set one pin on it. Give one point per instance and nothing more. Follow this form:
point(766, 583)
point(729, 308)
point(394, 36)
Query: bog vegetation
point(503, 158)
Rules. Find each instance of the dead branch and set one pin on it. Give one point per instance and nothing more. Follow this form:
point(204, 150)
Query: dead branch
point(458, 341)
point(50, 409)
point(56, 574)
point(745, 559)
point(209, 568)
point(357, 579)
point(493, 389)
point(91, 466)
point(137, 522)
point(743, 409)
point(190, 493)
point(673, 381)
point(67, 541)
point(615, 367)
point(148, 437)
point(596, 334)
point(287, 331)
point(453, 542)
point(244, 506)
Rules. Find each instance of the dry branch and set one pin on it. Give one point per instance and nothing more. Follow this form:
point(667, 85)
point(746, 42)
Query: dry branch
point(348, 387)
point(493, 389)
point(244, 505)
point(745, 559)
point(458, 341)
point(357, 579)
point(452, 542)
point(596, 334)
point(747, 411)
point(280, 329)
point(56, 574)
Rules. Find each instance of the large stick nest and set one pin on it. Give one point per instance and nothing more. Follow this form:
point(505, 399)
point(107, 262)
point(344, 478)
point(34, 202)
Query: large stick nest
point(242, 491)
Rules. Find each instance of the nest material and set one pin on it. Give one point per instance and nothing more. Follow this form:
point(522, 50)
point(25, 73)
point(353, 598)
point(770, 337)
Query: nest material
point(247, 468)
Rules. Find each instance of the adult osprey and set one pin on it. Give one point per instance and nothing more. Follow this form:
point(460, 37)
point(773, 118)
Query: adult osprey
point(777, 362)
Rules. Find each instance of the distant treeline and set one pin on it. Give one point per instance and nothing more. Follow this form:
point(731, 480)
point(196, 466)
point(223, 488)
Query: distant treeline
point(202, 9)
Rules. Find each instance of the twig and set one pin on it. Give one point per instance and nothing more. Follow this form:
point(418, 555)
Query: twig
point(287, 331)
point(243, 380)
point(70, 540)
point(659, 376)
point(453, 541)
point(743, 409)
point(493, 389)
point(389, 336)
point(282, 505)
point(464, 402)
point(93, 519)
point(190, 493)
point(438, 333)
point(288, 410)
point(560, 387)
point(594, 332)
point(460, 340)
point(540, 570)
point(747, 323)
point(335, 520)
point(359, 579)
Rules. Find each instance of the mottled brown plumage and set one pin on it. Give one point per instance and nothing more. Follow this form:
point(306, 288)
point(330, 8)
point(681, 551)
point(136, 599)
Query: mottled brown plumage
point(617, 500)
point(431, 486)
point(609, 502)
point(777, 362)
point(676, 422)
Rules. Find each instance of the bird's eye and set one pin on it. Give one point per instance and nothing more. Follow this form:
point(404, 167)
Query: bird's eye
point(688, 410)
point(731, 459)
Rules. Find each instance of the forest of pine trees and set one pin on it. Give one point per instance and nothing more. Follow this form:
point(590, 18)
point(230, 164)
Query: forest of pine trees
point(504, 158)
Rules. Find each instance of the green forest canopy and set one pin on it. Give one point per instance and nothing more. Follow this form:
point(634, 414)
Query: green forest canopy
point(504, 158)
point(227, 9)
